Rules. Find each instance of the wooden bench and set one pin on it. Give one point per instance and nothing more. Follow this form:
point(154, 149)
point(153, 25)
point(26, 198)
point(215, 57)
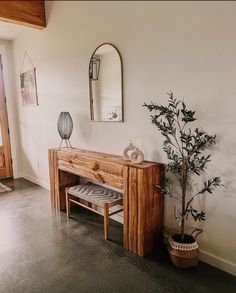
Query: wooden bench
point(97, 195)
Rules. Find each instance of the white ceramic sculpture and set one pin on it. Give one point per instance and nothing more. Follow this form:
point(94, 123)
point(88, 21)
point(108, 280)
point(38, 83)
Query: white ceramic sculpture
point(127, 150)
point(136, 156)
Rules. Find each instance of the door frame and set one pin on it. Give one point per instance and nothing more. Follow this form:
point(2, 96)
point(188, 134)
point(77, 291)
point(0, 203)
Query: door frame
point(12, 96)
point(5, 126)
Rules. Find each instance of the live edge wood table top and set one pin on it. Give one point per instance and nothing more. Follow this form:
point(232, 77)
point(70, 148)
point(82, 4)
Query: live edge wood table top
point(143, 202)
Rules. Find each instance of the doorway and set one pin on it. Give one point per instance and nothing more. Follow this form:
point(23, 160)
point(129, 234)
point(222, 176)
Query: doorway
point(5, 146)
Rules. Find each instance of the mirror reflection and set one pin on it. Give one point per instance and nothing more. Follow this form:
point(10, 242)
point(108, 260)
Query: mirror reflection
point(105, 84)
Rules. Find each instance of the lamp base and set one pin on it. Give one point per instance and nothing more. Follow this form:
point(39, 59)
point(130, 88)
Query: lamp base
point(67, 143)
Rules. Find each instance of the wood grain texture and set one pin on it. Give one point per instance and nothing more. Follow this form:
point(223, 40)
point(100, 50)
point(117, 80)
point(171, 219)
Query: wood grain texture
point(52, 176)
point(27, 13)
point(126, 208)
point(143, 202)
point(85, 155)
point(59, 180)
point(2, 158)
point(5, 150)
point(106, 220)
point(143, 210)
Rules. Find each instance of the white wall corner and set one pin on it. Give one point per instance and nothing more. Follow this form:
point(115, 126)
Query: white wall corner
point(217, 262)
point(35, 180)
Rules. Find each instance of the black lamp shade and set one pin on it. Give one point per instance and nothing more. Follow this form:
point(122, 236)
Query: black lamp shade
point(65, 125)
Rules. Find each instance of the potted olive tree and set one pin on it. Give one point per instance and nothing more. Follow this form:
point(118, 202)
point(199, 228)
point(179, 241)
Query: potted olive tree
point(186, 153)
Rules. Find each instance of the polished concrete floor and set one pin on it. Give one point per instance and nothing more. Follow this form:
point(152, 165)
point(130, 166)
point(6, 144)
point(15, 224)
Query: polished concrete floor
point(40, 251)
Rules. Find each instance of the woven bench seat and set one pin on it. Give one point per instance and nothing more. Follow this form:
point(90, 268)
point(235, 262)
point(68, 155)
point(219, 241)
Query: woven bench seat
point(97, 195)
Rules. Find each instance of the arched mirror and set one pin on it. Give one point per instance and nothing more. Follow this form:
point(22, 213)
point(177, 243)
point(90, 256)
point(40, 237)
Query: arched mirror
point(106, 84)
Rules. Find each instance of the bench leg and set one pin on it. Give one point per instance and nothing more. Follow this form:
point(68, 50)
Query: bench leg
point(106, 220)
point(68, 205)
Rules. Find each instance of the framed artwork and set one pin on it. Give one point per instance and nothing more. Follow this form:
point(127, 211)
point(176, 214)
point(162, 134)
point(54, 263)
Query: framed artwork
point(28, 88)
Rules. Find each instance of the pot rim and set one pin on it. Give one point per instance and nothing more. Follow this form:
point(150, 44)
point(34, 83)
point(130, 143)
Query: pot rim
point(182, 246)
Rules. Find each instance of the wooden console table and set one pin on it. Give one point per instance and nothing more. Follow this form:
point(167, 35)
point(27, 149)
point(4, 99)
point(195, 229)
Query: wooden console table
point(143, 203)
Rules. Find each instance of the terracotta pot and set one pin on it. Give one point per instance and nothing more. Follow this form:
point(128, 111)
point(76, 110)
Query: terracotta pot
point(183, 255)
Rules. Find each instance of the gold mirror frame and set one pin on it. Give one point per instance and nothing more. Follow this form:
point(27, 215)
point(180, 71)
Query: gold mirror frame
point(90, 86)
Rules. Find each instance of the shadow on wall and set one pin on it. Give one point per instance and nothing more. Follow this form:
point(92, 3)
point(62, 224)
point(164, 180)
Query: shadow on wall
point(28, 169)
point(83, 128)
point(48, 9)
point(13, 112)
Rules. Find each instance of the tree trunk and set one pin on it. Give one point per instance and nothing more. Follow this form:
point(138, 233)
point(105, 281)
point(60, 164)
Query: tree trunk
point(184, 186)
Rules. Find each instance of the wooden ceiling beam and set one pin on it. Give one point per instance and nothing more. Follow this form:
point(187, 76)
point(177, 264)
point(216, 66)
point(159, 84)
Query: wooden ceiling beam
point(27, 13)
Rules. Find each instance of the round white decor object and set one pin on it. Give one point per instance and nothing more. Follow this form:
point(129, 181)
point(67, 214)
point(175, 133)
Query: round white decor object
point(136, 156)
point(127, 150)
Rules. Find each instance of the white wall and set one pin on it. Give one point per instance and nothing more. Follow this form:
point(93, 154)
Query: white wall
point(186, 47)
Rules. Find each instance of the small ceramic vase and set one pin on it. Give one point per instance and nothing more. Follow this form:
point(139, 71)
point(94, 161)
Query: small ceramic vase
point(127, 150)
point(137, 156)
